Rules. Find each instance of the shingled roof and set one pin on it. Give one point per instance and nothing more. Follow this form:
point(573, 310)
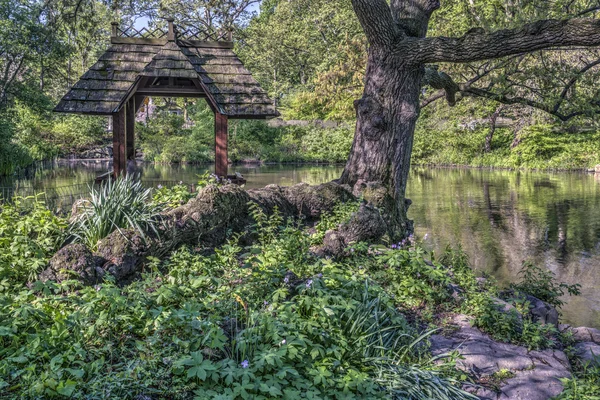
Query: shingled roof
point(107, 85)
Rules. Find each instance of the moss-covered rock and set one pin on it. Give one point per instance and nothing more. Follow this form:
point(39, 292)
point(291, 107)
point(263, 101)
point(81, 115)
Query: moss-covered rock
point(74, 261)
point(123, 252)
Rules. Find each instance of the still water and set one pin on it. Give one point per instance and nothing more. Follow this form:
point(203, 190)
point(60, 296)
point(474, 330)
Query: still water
point(500, 218)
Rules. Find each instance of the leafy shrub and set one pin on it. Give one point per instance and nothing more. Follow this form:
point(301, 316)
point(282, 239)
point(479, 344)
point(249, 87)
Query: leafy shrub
point(537, 143)
point(12, 154)
point(584, 385)
point(171, 197)
point(29, 235)
point(264, 321)
point(164, 139)
point(541, 283)
point(117, 204)
point(47, 135)
point(412, 280)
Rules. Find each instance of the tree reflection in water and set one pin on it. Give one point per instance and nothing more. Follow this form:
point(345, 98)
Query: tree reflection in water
point(502, 218)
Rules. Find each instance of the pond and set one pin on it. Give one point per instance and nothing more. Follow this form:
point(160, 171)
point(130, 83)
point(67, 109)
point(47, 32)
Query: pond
point(501, 218)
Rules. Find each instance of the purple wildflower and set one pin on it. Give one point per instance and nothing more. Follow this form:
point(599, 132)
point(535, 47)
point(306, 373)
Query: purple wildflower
point(309, 283)
point(286, 279)
point(245, 364)
point(160, 186)
point(319, 275)
point(394, 246)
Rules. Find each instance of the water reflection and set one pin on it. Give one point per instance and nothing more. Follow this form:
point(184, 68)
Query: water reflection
point(501, 218)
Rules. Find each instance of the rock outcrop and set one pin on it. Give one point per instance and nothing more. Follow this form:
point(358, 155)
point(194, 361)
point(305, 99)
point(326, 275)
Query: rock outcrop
point(588, 353)
point(535, 375)
point(584, 334)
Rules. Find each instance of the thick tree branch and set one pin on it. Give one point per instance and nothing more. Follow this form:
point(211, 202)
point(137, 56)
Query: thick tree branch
point(375, 17)
point(441, 80)
point(412, 16)
point(476, 46)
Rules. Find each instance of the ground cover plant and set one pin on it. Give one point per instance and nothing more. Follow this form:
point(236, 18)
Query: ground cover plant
point(265, 320)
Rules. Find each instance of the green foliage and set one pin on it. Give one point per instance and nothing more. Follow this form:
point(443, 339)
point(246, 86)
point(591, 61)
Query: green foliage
point(117, 204)
point(264, 321)
point(164, 139)
point(208, 179)
point(541, 283)
point(12, 154)
point(29, 235)
point(308, 54)
point(412, 280)
point(340, 214)
point(171, 197)
point(456, 136)
point(585, 385)
point(254, 140)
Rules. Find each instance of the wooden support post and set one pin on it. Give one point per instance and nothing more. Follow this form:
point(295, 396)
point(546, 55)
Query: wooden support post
point(139, 102)
point(221, 160)
point(119, 143)
point(130, 129)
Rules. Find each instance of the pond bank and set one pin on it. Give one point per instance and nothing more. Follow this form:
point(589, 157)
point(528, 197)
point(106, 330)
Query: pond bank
point(273, 287)
point(500, 217)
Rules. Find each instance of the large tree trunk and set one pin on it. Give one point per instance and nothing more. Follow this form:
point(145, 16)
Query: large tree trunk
point(386, 118)
point(389, 108)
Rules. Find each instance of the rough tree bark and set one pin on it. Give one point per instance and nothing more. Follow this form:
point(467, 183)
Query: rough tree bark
point(398, 52)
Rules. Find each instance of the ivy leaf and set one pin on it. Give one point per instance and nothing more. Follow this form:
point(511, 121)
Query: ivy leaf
point(66, 388)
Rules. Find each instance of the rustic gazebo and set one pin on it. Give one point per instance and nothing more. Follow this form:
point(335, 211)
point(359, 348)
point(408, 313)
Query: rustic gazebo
point(187, 63)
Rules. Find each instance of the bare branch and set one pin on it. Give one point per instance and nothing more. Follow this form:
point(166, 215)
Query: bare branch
point(475, 45)
point(589, 10)
point(573, 80)
point(523, 101)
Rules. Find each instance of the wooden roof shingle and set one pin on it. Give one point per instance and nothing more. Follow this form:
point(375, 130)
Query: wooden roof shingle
point(105, 87)
point(107, 83)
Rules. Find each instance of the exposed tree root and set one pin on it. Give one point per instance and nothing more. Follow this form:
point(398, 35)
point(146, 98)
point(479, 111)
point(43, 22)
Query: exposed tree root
point(213, 215)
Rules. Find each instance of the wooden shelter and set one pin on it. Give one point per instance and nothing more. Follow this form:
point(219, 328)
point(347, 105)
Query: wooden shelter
point(189, 63)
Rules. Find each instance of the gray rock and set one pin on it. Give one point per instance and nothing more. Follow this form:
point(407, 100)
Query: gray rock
point(541, 311)
point(455, 291)
point(507, 308)
point(537, 373)
point(584, 334)
point(588, 353)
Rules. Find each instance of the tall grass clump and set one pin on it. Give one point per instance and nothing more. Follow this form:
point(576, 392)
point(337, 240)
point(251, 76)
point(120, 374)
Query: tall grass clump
point(117, 204)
